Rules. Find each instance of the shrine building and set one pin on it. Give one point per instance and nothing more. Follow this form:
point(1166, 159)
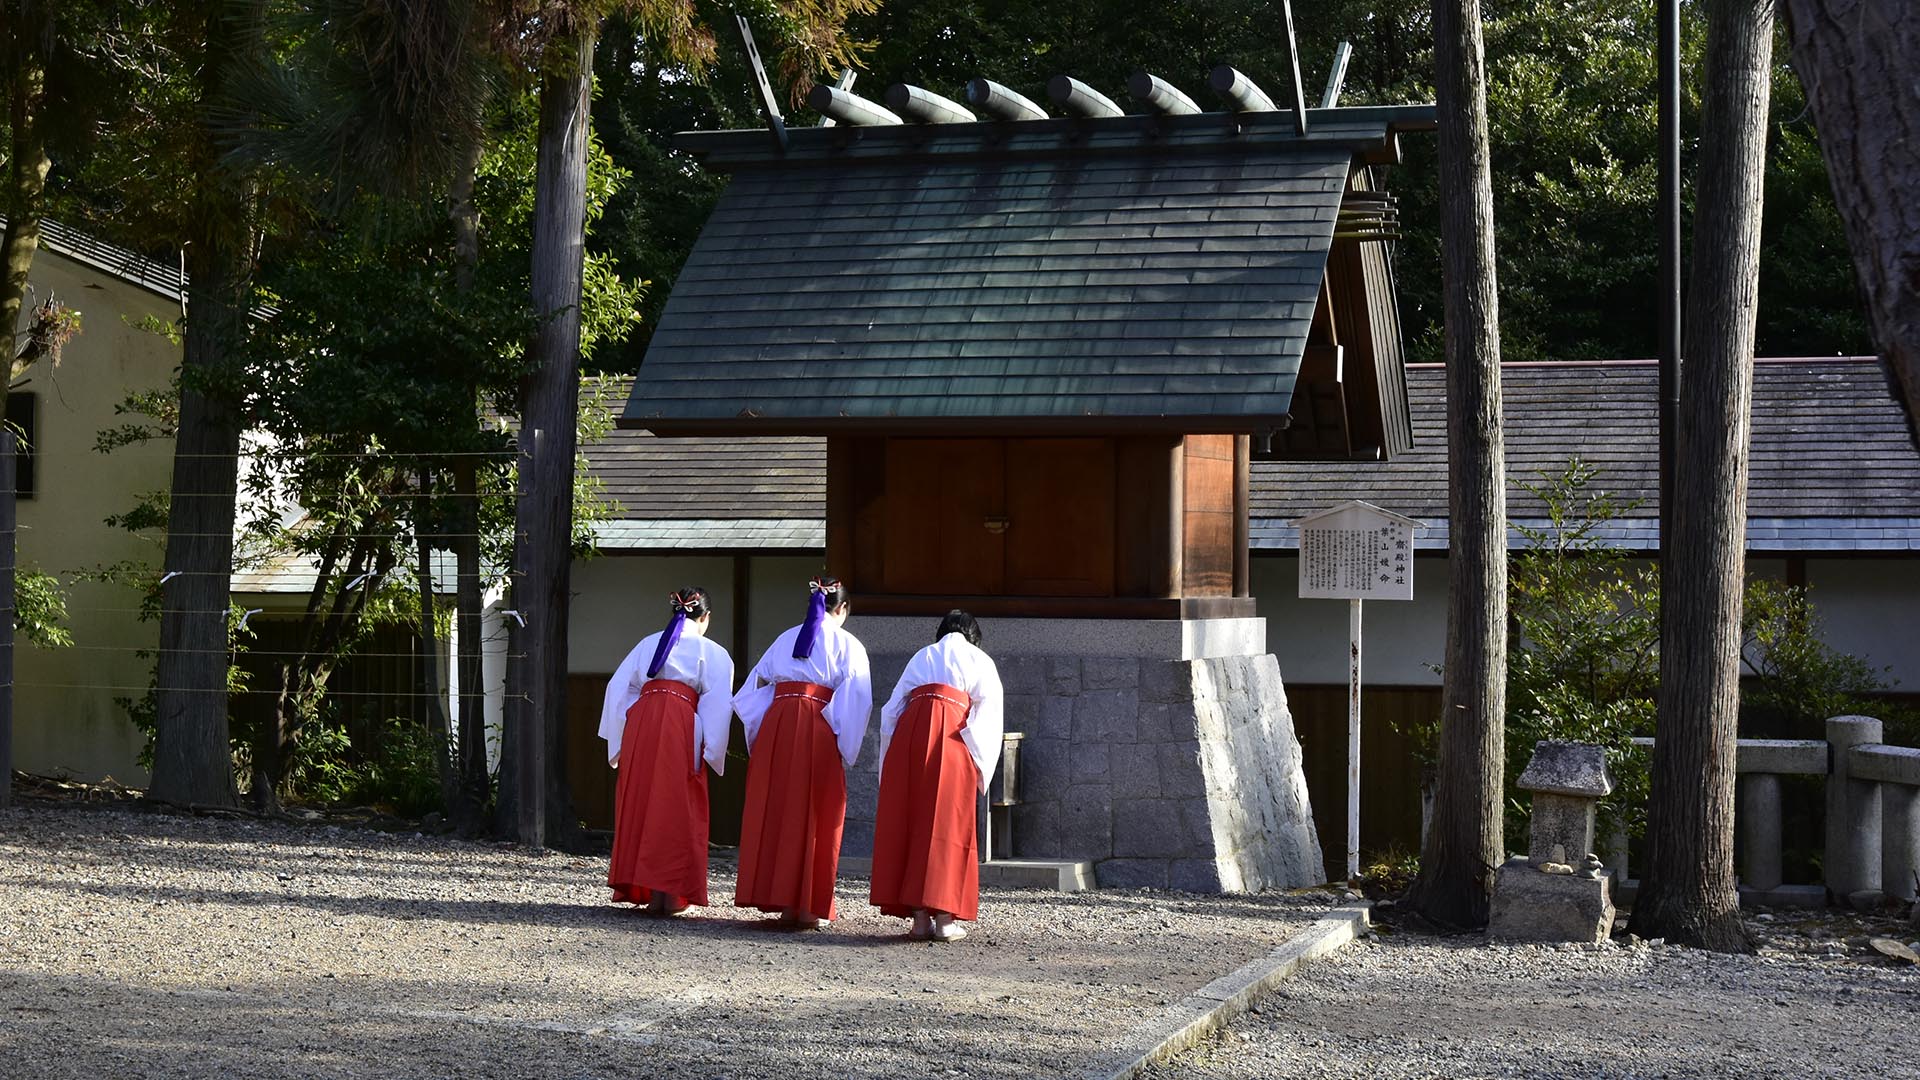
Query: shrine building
point(1043, 351)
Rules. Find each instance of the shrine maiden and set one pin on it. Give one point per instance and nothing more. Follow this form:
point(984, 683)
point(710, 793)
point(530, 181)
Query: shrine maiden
point(939, 744)
point(667, 709)
point(805, 707)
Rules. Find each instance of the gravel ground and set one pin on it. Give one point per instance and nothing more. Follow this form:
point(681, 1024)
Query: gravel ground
point(147, 945)
point(1811, 1004)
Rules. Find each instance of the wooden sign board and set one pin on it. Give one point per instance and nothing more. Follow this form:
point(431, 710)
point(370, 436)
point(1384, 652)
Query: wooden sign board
point(1356, 551)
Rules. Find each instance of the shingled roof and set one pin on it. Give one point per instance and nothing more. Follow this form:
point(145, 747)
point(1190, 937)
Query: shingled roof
point(134, 269)
point(711, 493)
point(1833, 468)
point(1128, 271)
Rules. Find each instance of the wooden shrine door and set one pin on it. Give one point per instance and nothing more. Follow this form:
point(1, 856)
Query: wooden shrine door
point(989, 517)
point(1059, 501)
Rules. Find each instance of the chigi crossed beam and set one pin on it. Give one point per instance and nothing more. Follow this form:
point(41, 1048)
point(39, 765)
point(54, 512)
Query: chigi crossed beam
point(907, 104)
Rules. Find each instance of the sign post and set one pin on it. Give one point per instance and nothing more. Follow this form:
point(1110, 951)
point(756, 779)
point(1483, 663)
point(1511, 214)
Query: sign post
point(1355, 552)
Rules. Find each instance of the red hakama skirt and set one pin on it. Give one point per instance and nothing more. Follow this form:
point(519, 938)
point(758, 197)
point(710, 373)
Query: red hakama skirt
point(796, 807)
point(925, 852)
point(660, 801)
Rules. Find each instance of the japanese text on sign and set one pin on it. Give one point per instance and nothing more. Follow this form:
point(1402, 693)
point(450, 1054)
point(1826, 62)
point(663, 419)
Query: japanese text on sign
point(1356, 553)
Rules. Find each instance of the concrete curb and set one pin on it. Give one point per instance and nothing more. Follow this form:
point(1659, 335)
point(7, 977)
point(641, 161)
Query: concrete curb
point(1211, 1007)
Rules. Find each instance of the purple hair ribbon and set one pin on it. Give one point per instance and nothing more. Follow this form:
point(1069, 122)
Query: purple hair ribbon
point(816, 614)
point(669, 637)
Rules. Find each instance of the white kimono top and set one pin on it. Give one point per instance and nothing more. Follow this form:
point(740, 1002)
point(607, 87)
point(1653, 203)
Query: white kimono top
point(839, 662)
point(956, 662)
point(701, 664)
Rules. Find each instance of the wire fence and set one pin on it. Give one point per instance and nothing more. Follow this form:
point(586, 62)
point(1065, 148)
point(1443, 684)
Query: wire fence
point(111, 606)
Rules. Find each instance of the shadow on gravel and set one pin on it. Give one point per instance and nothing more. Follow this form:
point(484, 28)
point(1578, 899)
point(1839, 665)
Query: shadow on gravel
point(479, 912)
point(587, 913)
point(71, 1027)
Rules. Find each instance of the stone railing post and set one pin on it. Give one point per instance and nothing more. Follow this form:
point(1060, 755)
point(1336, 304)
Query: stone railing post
point(1759, 824)
point(1900, 857)
point(1852, 861)
point(1618, 851)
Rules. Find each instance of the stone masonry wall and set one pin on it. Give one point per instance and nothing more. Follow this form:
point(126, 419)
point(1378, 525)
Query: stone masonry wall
point(1169, 773)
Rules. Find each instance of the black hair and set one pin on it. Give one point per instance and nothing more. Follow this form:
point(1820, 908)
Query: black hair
point(693, 600)
point(959, 622)
point(834, 591)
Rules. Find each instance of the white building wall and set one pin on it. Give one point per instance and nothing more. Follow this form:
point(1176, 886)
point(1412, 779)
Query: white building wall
point(1398, 638)
point(65, 718)
point(619, 599)
point(1871, 609)
point(778, 596)
point(1868, 607)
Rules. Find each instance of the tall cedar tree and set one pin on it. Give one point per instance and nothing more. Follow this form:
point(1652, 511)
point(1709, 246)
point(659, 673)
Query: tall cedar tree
point(192, 760)
point(1856, 59)
point(533, 755)
point(1687, 892)
point(1462, 847)
point(542, 550)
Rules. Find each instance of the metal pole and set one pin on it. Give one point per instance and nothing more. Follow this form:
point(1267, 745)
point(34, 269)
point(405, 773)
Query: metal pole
point(1293, 63)
point(769, 105)
point(1353, 740)
point(1338, 76)
point(8, 533)
point(1669, 315)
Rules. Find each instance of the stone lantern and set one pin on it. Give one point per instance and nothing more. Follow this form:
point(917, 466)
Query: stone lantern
point(1558, 891)
point(1566, 779)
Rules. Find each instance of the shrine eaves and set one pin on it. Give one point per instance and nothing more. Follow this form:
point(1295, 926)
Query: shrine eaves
point(923, 267)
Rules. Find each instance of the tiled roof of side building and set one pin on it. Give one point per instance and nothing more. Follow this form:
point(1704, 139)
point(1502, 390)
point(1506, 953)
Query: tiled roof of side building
point(166, 281)
point(1833, 464)
point(711, 491)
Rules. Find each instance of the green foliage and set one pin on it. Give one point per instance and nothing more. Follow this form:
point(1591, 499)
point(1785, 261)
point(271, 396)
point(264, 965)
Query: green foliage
point(503, 192)
point(591, 504)
point(155, 415)
point(398, 773)
point(1796, 681)
point(1583, 657)
point(646, 228)
point(321, 768)
point(363, 390)
point(40, 609)
point(1389, 874)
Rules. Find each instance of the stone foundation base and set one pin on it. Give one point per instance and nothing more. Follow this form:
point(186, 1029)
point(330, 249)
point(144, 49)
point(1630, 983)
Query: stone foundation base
point(1530, 906)
point(1180, 774)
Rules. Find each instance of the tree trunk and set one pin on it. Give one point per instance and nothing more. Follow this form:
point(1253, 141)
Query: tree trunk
point(192, 756)
point(192, 759)
point(1856, 59)
point(1463, 846)
point(1687, 892)
point(541, 806)
point(26, 170)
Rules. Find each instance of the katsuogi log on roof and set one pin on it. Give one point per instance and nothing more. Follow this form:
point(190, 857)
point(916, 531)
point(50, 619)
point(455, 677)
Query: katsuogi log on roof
point(915, 271)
